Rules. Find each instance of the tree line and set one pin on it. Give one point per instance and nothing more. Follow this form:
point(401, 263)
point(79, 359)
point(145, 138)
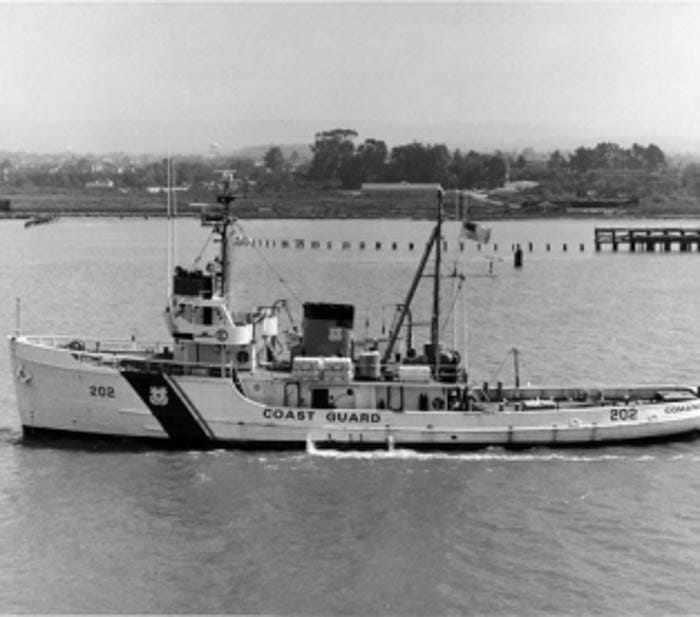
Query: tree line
point(337, 161)
point(335, 157)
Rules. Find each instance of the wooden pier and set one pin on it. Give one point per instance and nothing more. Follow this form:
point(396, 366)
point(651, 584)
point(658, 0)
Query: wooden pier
point(648, 239)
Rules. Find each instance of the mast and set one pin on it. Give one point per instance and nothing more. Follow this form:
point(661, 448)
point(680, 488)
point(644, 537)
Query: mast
point(435, 320)
point(435, 239)
point(225, 198)
point(225, 266)
point(169, 232)
point(171, 190)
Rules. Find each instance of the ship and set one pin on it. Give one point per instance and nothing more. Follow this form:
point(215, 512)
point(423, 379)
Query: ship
point(249, 379)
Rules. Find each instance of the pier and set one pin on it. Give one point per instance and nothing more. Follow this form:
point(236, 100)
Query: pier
point(648, 239)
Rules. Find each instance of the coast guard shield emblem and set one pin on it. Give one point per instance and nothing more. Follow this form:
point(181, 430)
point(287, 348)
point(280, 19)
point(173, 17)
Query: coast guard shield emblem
point(175, 413)
point(158, 396)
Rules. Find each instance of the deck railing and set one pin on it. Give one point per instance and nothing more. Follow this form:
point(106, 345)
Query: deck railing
point(129, 355)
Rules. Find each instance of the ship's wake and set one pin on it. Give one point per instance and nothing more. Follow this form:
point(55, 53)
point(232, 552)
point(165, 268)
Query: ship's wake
point(489, 455)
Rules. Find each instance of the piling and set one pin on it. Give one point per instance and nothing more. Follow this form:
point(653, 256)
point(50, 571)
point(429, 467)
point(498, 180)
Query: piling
point(518, 257)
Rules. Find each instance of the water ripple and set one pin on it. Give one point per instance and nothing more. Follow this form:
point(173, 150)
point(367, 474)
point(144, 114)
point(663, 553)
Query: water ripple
point(582, 531)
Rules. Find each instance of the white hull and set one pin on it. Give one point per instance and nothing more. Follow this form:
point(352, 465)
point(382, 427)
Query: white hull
point(119, 394)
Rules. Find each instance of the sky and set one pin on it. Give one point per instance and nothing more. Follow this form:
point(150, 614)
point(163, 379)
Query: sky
point(188, 76)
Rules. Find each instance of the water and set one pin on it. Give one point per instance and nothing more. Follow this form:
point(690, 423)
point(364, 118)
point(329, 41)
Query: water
point(87, 528)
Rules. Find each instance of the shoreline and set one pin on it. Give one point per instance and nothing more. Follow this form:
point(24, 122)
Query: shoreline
point(318, 206)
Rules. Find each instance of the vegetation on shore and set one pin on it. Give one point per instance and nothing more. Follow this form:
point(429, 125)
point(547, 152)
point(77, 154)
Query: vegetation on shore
point(327, 181)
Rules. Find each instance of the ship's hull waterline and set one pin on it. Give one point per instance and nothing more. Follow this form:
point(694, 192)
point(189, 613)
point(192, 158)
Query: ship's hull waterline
point(117, 394)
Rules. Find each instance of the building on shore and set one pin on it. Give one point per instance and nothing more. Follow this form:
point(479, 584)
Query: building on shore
point(100, 184)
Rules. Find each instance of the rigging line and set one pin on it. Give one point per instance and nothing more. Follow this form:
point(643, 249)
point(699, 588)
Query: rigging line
point(454, 275)
point(378, 307)
point(204, 248)
point(269, 265)
point(498, 370)
point(500, 366)
point(452, 306)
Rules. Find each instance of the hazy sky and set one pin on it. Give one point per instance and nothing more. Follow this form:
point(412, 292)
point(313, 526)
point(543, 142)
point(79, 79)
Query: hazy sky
point(150, 77)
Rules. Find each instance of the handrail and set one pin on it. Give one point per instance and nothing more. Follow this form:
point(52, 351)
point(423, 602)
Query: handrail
point(97, 345)
point(128, 355)
point(174, 367)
